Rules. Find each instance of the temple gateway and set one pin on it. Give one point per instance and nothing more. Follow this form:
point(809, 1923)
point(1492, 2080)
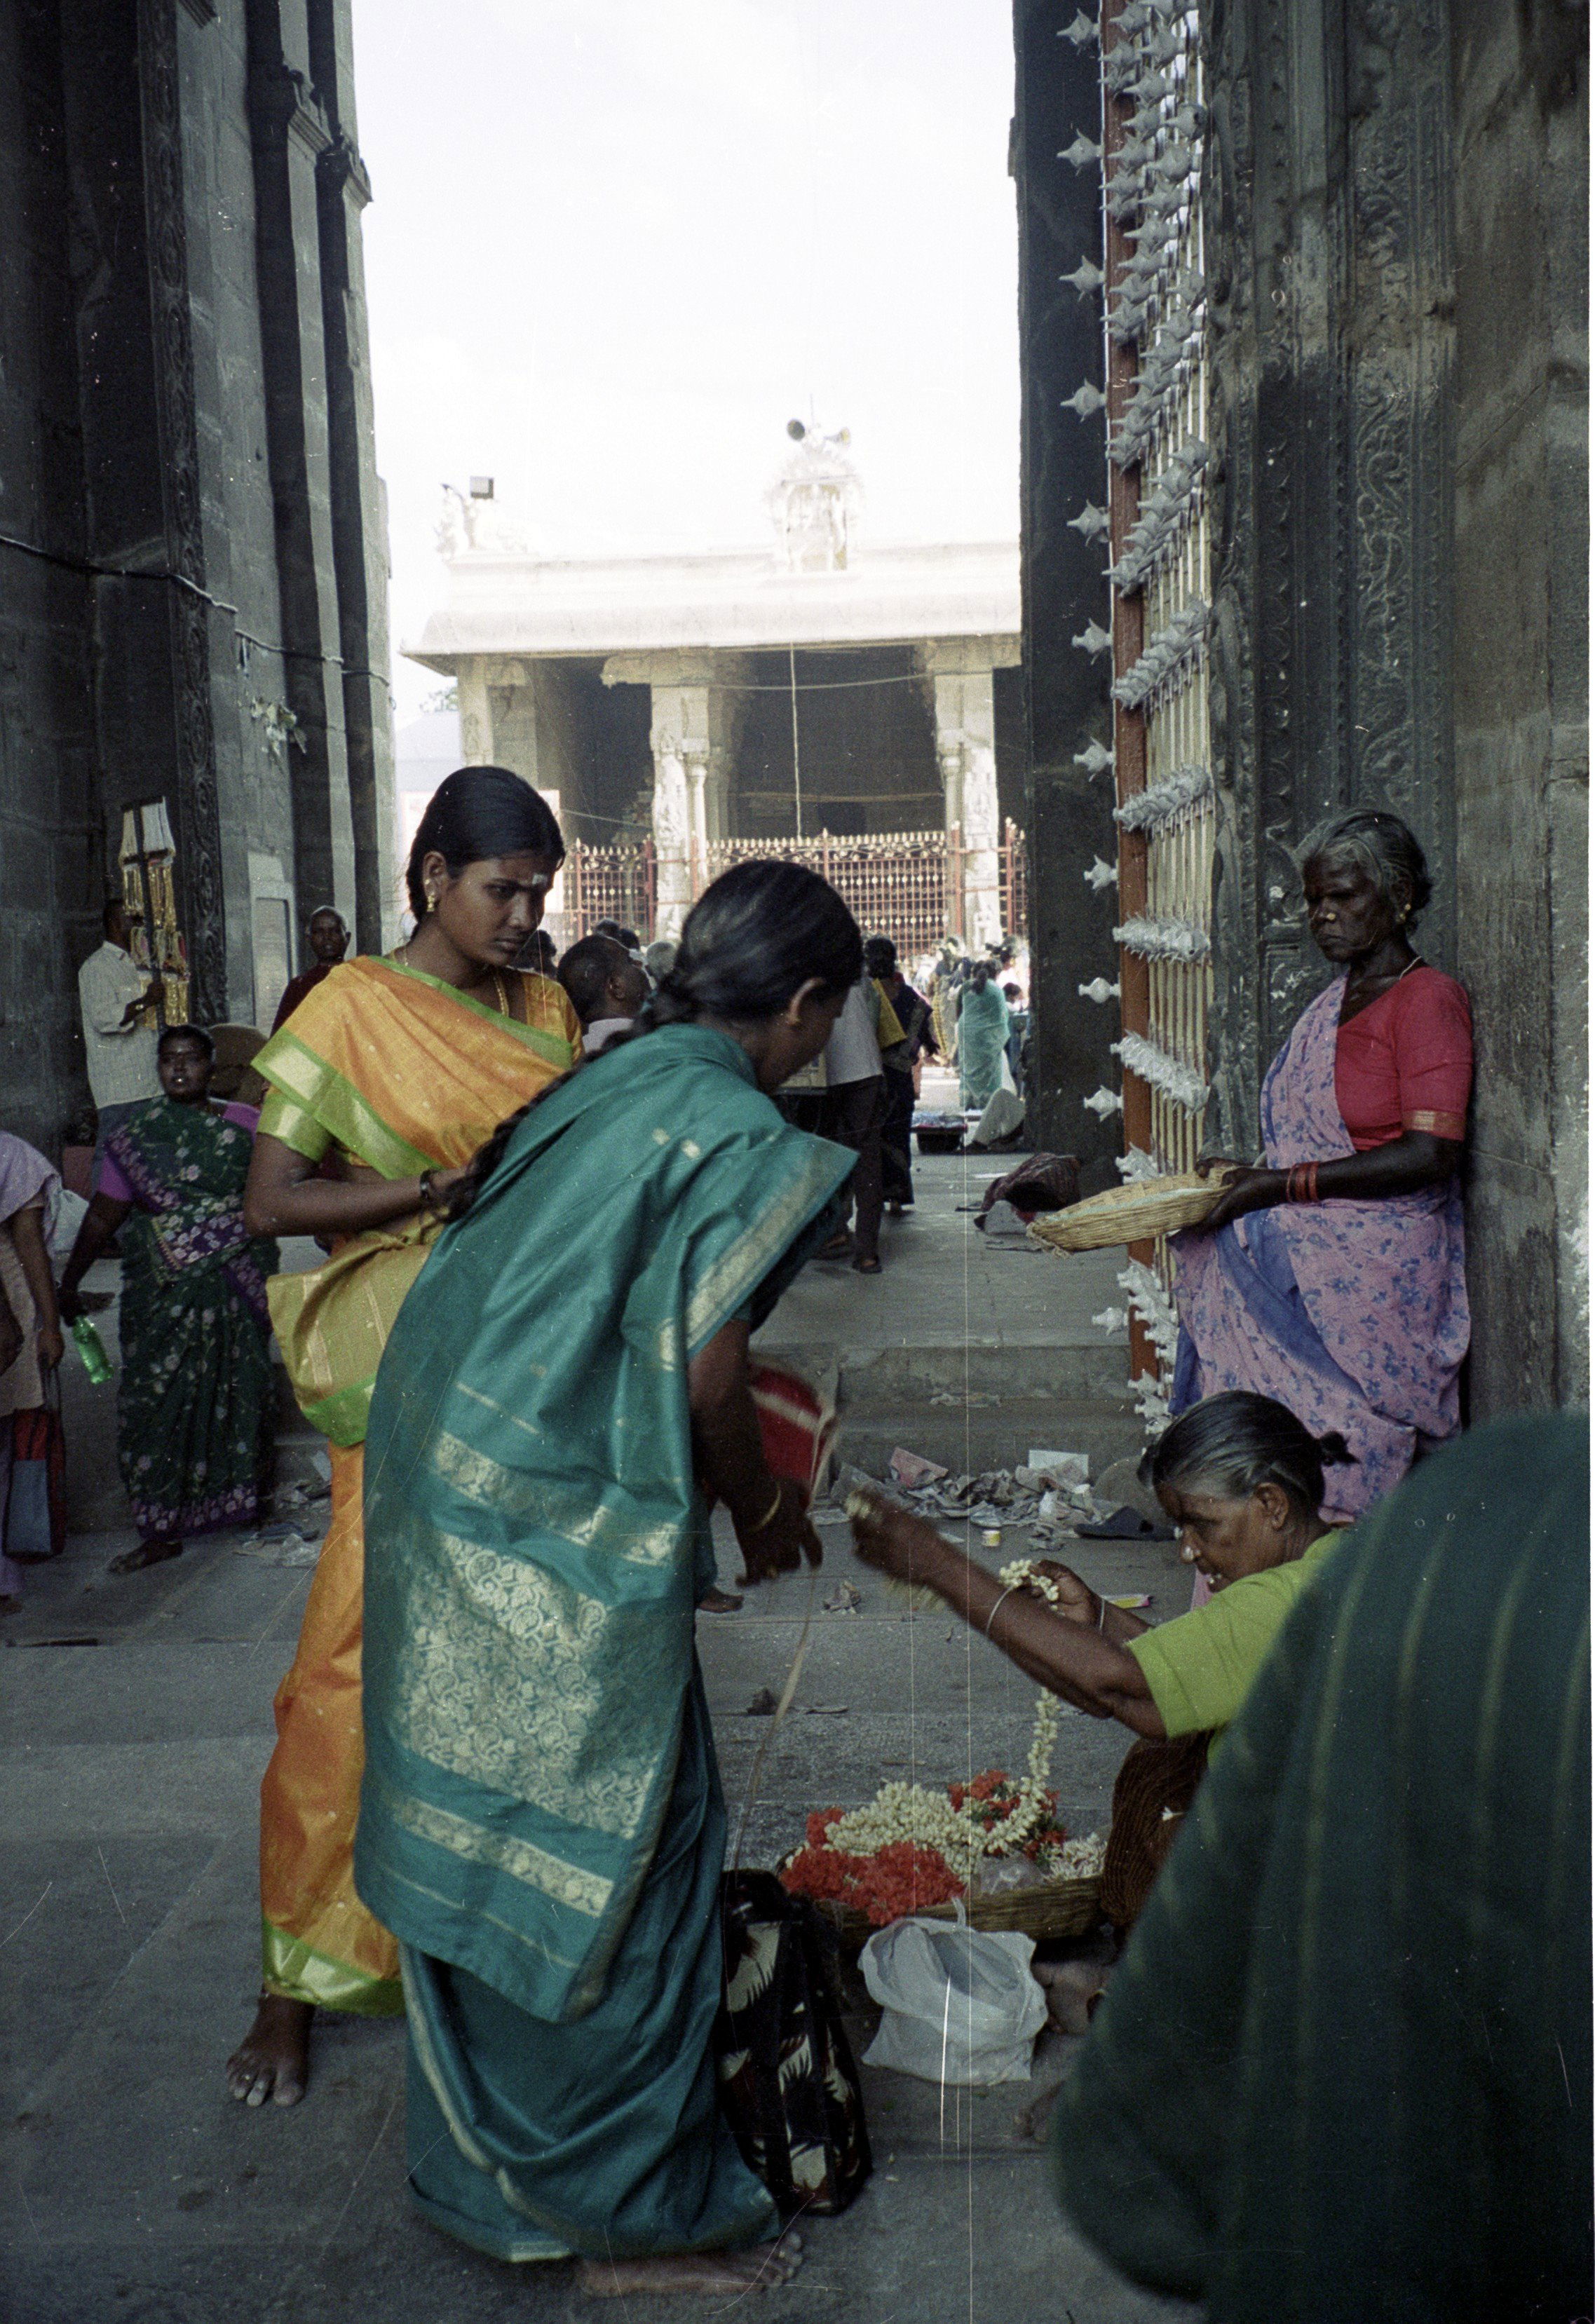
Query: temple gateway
point(857, 706)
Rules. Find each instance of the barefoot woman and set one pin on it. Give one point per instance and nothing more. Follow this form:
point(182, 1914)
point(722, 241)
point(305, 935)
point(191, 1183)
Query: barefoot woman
point(542, 1820)
point(388, 1077)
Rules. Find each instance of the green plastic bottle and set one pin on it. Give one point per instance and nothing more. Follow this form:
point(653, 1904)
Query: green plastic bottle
point(92, 1348)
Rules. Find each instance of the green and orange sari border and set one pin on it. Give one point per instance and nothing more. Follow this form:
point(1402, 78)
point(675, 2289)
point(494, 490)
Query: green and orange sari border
point(296, 1971)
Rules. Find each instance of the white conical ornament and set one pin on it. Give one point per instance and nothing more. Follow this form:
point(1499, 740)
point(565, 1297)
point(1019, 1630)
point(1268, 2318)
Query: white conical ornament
point(1086, 400)
point(1080, 31)
point(1096, 759)
point(1081, 152)
point(1111, 1319)
point(1099, 990)
point(1085, 278)
point(1093, 639)
point(1101, 875)
point(1102, 1102)
point(1090, 521)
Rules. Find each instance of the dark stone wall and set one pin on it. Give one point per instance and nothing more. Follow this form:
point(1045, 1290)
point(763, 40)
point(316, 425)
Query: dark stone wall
point(188, 487)
point(50, 871)
point(1395, 217)
point(1067, 814)
point(1328, 233)
point(1520, 93)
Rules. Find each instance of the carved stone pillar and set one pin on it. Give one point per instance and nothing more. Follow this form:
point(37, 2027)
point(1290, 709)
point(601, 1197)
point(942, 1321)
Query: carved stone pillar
point(476, 714)
point(697, 712)
point(966, 752)
point(672, 830)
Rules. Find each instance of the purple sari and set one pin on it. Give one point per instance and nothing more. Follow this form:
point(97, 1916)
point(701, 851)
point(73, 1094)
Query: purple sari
point(1352, 1315)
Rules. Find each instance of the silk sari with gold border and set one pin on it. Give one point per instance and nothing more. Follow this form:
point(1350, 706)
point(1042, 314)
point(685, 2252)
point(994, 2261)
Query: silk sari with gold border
point(399, 1072)
point(534, 1523)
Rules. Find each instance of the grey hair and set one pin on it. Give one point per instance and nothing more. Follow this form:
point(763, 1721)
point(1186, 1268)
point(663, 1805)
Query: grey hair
point(1386, 847)
point(1228, 1445)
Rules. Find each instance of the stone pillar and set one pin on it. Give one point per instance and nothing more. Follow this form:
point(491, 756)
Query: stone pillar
point(695, 715)
point(672, 829)
point(476, 714)
point(966, 752)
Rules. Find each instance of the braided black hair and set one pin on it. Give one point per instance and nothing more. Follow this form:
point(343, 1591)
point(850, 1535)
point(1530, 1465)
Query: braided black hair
point(755, 936)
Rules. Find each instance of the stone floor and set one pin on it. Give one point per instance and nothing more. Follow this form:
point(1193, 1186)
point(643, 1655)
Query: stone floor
point(134, 1723)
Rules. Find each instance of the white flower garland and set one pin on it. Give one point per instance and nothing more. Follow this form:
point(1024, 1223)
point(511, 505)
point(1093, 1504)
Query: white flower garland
point(913, 1812)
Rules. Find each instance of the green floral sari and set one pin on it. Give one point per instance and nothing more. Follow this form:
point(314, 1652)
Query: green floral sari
point(540, 1823)
point(195, 1405)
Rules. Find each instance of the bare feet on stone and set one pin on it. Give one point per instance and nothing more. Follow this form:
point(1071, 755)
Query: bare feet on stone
point(273, 2059)
point(765, 2267)
point(147, 1553)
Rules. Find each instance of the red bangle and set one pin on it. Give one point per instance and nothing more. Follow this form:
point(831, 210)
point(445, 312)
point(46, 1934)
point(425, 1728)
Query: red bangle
point(1301, 1183)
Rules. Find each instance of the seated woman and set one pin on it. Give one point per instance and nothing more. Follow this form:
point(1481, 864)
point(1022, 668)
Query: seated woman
point(541, 1826)
point(1332, 1278)
point(1243, 1481)
point(196, 1401)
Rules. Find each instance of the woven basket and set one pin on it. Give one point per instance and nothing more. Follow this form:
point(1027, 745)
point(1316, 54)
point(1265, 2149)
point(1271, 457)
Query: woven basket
point(1053, 1908)
point(1131, 1213)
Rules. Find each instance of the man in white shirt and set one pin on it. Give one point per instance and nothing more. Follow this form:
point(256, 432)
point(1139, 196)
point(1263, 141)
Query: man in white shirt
point(119, 1006)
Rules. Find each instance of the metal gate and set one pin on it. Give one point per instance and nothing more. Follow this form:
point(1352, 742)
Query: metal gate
point(907, 885)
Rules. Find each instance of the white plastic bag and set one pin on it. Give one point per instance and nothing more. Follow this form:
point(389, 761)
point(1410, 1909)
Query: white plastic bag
point(960, 2004)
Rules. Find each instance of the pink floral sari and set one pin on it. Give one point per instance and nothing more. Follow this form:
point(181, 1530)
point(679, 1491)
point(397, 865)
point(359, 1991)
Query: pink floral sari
point(1353, 1314)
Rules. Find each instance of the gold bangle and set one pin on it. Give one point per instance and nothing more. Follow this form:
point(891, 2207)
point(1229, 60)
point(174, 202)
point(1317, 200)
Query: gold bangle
point(769, 1513)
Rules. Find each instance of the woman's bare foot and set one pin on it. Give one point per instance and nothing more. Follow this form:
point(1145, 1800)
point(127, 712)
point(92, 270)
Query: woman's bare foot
point(148, 1553)
point(765, 2267)
point(273, 2059)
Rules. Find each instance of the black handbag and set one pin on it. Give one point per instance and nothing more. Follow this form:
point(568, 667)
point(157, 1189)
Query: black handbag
point(789, 2087)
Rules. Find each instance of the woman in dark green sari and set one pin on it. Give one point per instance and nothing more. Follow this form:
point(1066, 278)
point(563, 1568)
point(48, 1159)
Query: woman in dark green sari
point(541, 1824)
point(195, 1402)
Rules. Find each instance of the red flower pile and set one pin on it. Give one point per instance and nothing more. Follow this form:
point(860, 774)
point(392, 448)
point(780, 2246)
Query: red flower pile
point(906, 1875)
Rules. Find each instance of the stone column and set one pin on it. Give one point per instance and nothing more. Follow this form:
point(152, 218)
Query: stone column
point(696, 716)
point(475, 714)
point(672, 829)
point(966, 752)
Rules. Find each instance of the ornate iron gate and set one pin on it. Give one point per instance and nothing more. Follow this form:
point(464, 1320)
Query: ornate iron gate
point(907, 885)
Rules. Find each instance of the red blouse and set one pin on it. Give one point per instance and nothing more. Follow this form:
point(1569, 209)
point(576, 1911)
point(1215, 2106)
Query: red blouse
point(1406, 1062)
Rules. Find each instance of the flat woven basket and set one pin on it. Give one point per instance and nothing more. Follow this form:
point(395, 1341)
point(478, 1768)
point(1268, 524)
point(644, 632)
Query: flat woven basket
point(1130, 1213)
point(1053, 1908)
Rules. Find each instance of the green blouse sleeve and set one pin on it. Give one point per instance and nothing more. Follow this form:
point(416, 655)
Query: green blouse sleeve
point(282, 1118)
point(1199, 1668)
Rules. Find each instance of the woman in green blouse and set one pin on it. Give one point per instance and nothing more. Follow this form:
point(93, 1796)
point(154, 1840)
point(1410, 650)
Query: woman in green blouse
point(1243, 1481)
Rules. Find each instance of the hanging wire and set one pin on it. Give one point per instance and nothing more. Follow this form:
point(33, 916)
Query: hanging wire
point(797, 761)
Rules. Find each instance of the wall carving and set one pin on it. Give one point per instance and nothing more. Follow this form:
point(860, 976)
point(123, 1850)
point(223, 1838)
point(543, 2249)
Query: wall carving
point(198, 811)
point(1325, 205)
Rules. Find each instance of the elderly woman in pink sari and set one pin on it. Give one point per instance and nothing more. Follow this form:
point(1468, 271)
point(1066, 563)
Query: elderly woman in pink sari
point(1331, 1279)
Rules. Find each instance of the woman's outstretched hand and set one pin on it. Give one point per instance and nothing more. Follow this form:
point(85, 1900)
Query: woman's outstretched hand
point(781, 1544)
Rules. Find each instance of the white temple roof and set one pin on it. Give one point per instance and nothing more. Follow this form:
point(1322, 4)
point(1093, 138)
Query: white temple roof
point(511, 603)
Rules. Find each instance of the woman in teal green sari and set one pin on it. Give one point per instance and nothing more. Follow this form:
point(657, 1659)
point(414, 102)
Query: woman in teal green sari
point(541, 1822)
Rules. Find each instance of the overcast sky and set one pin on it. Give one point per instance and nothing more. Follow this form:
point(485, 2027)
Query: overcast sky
point(616, 244)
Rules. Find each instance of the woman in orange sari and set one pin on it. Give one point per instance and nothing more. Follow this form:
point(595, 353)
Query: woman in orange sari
point(382, 1084)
